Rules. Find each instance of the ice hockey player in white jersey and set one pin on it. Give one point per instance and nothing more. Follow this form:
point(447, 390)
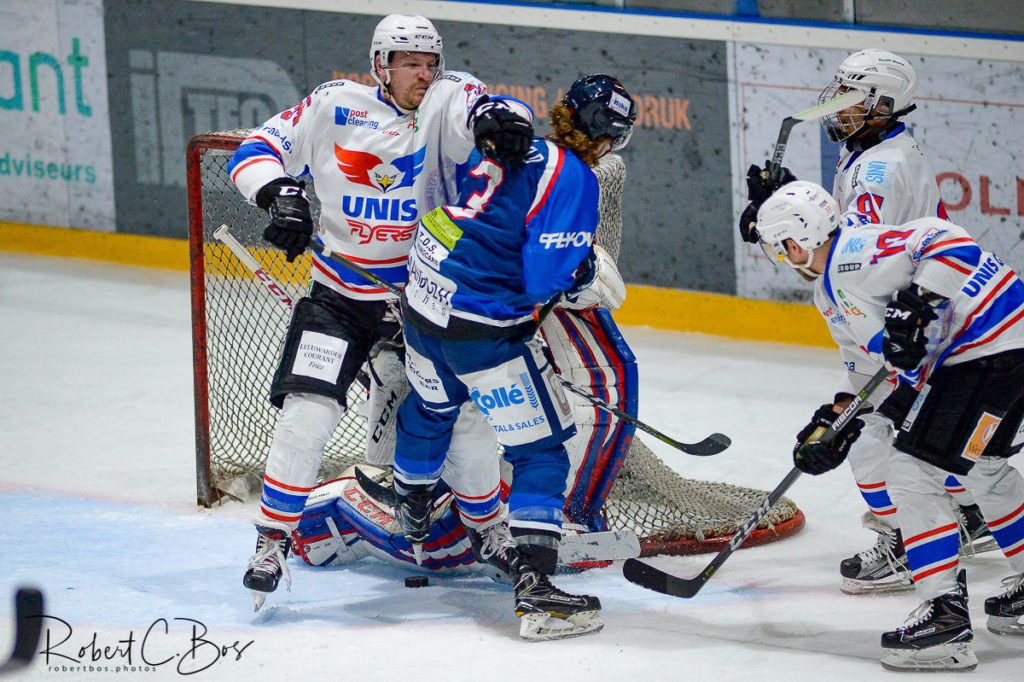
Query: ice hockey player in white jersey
point(380, 158)
point(924, 297)
point(881, 177)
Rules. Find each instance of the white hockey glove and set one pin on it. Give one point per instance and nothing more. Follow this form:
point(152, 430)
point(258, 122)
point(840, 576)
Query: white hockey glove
point(601, 284)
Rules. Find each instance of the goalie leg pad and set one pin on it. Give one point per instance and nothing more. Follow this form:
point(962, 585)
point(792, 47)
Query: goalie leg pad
point(388, 388)
point(324, 537)
point(369, 526)
point(589, 350)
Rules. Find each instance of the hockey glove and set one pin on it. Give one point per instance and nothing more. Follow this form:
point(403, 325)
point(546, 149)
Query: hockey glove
point(500, 133)
point(904, 341)
point(759, 188)
point(817, 458)
point(291, 224)
point(598, 283)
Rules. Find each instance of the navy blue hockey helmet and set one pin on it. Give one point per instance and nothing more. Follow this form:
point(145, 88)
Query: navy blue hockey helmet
point(600, 105)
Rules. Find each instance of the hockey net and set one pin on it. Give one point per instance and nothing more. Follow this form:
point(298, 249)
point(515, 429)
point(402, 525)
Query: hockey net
point(238, 327)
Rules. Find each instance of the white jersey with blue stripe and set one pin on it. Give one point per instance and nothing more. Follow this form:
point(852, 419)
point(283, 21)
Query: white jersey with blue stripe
point(376, 169)
point(890, 183)
point(515, 241)
point(867, 264)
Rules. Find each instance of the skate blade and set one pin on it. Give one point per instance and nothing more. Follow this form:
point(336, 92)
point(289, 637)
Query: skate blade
point(258, 599)
point(542, 627)
point(980, 546)
point(1005, 625)
point(854, 587)
point(957, 656)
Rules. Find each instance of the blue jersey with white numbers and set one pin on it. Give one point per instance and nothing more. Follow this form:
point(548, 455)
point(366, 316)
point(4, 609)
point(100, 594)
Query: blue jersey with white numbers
point(515, 241)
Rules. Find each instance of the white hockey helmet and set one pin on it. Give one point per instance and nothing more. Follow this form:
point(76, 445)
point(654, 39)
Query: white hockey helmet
point(887, 80)
point(401, 32)
point(802, 211)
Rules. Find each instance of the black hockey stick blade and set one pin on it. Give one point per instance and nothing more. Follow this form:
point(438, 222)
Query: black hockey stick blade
point(379, 493)
point(712, 445)
point(28, 609)
point(647, 576)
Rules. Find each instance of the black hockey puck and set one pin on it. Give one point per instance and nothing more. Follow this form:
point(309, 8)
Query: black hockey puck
point(417, 581)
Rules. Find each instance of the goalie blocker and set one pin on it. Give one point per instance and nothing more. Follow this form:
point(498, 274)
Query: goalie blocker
point(342, 522)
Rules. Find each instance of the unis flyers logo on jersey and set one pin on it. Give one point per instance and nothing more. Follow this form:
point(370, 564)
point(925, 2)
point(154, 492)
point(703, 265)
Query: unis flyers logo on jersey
point(364, 168)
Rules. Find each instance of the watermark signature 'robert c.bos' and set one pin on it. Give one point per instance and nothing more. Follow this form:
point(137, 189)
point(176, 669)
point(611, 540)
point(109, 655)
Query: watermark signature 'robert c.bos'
point(184, 644)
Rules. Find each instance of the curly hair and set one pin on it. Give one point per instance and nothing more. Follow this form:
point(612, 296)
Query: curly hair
point(567, 135)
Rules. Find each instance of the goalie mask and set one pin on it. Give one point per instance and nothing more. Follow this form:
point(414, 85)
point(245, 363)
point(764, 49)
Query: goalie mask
point(599, 106)
point(801, 211)
point(888, 82)
point(398, 32)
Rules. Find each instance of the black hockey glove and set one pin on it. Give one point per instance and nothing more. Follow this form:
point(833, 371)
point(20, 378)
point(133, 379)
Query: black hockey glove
point(291, 224)
point(759, 188)
point(904, 342)
point(501, 134)
point(818, 458)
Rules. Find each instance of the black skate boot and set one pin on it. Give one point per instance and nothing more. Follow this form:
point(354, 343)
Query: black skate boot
point(937, 636)
point(1006, 611)
point(546, 612)
point(883, 568)
point(975, 536)
point(413, 512)
point(494, 547)
point(268, 563)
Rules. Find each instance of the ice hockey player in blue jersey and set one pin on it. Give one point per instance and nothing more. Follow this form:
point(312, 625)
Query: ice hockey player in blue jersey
point(521, 237)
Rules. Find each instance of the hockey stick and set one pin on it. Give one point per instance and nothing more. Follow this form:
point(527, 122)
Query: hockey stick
point(712, 445)
point(645, 575)
point(772, 172)
point(833, 106)
point(223, 233)
point(28, 615)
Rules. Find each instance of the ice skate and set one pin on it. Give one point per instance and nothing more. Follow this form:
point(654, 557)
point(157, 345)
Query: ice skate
point(1006, 611)
point(882, 568)
point(494, 547)
point(268, 564)
point(546, 612)
point(975, 536)
point(413, 512)
point(937, 636)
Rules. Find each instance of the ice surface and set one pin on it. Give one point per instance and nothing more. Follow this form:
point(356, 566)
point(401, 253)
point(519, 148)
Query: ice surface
point(97, 491)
